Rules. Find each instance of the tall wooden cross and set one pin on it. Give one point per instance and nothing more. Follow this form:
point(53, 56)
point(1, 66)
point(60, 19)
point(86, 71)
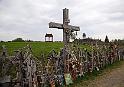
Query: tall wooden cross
point(67, 29)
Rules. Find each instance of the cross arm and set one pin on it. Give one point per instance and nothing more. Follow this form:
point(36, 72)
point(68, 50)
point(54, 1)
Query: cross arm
point(55, 25)
point(74, 28)
point(61, 26)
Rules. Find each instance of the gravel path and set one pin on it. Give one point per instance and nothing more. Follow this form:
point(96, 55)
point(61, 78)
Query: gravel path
point(113, 78)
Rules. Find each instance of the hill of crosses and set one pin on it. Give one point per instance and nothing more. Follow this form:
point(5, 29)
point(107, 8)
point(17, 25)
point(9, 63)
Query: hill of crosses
point(58, 69)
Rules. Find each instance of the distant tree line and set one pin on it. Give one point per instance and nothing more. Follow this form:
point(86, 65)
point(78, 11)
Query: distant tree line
point(117, 41)
point(18, 40)
point(21, 40)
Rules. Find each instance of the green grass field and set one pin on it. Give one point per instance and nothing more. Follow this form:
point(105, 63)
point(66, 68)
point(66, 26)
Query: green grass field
point(37, 47)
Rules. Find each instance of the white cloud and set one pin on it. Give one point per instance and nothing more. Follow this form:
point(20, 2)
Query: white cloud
point(29, 18)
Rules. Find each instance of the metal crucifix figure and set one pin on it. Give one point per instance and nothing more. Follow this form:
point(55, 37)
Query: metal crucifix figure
point(67, 29)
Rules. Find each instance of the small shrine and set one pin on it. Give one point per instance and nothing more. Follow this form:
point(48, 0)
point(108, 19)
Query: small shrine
point(48, 38)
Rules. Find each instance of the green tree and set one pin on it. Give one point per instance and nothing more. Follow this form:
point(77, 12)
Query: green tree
point(84, 35)
point(18, 40)
point(106, 39)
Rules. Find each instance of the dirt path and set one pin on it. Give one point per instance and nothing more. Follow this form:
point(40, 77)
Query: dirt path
point(112, 78)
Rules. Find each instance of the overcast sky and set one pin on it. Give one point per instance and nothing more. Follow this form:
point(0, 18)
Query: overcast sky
point(29, 19)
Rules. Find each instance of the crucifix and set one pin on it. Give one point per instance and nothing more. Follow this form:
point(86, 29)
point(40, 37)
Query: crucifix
point(67, 29)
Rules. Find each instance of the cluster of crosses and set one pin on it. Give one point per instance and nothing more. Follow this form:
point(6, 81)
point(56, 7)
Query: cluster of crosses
point(60, 67)
point(27, 66)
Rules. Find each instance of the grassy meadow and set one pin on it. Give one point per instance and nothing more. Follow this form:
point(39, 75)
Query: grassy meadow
point(37, 47)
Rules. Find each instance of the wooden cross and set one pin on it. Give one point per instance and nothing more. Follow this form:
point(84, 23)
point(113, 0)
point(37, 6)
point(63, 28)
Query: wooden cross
point(67, 29)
